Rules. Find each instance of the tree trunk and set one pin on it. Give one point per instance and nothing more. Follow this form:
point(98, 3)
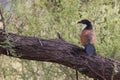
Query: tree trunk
point(62, 52)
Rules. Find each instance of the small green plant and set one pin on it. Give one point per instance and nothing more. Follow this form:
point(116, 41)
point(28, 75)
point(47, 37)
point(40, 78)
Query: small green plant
point(8, 45)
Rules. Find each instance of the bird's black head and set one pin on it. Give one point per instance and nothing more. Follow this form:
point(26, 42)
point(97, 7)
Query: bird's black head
point(85, 21)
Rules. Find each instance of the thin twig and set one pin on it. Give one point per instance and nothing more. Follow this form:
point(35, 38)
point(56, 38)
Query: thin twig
point(2, 19)
point(4, 29)
point(76, 74)
point(40, 42)
point(60, 36)
point(7, 21)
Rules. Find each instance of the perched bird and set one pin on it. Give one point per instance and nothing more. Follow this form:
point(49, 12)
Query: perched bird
point(88, 37)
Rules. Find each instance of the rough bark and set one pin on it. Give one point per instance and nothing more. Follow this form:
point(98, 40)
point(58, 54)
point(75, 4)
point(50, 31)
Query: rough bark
point(62, 52)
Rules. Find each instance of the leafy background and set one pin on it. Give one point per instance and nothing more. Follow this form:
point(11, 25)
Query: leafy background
point(44, 18)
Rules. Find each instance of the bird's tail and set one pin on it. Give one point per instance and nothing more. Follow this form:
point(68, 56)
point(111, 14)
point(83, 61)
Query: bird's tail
point(90, 49)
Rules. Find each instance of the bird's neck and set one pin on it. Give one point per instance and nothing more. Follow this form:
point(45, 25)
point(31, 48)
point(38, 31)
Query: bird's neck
point(88, 27)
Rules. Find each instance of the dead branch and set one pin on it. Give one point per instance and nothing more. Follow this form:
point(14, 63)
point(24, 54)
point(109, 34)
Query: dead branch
point(62, 52)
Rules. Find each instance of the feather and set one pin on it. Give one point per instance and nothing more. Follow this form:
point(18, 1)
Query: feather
point(90, 49)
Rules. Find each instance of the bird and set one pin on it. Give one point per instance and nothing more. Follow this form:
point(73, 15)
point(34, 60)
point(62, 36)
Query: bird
point(88, 37)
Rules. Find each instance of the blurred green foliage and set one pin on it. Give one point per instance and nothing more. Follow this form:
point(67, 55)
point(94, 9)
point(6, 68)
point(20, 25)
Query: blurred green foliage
point(43, 18)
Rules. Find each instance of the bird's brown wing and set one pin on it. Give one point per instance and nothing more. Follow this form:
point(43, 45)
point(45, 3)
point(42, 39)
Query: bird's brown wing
point(88, 36)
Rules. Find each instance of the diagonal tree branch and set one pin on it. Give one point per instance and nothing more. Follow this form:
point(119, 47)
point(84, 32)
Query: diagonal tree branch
point(62, 52)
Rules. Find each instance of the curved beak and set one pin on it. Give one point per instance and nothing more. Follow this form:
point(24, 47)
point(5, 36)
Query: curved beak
point(79, 22)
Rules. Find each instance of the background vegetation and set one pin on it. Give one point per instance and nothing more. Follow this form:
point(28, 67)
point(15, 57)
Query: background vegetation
point(43, 18)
